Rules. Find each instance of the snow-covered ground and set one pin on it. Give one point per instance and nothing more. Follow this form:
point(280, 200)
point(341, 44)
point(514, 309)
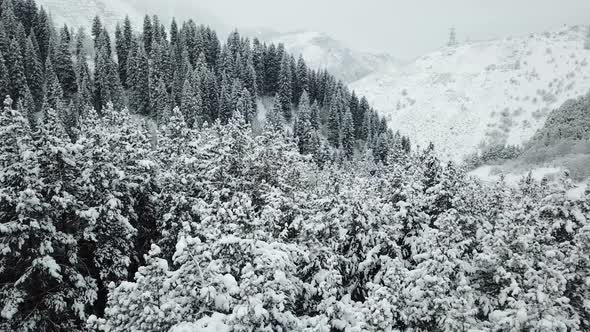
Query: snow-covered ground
point(492, 91)
point(321, 51)
point(488, 174)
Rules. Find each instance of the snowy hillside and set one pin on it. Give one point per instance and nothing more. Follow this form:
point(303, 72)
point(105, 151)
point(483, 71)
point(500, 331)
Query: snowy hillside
point(79, 13)
point(498, 91)
point(324, 52)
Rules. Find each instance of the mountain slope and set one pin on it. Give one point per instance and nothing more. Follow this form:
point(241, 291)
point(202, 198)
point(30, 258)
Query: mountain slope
point(321, 51)
point(79, 13)
point(497, 92)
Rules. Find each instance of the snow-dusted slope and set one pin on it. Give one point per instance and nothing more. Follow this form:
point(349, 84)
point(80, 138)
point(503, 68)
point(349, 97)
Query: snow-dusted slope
point(493, 91)
point(320, 51)
point(79, 13)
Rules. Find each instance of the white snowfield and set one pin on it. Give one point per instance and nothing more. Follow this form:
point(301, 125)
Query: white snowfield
point(321, 51)
point(491, 91)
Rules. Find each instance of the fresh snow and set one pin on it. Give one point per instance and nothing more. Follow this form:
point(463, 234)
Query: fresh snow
point(498, 91)
point(487, 174)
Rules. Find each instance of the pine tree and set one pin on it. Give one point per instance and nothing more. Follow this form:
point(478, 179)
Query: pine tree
point(27, 14)
point(42, 34)
point(85, 86)
point(16, 71)
point(274, 116)
point(148, 34)
point(174, 35)
point(226, 104)
point(64, 67)
point(4, 40)
point(96, 27)
point(28, 107)
point(361, 117)
point(334, 125)
point(159, 101)
point(301, 79)
point(34, 73)
point(303, 128)
point(103, 42)
point(315, 116)
point(106, 84)
point(140, 94)
point(53, 92)
point(271, 69)
point(347, 135)
point(452, 38)
point(285, 88)
point(244, 105)
point(191, 104)
point(4, 79)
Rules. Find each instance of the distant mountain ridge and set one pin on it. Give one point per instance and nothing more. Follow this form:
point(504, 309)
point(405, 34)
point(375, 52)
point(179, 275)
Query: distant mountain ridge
point(324, 52)
point(79, 13)
point(491, 92)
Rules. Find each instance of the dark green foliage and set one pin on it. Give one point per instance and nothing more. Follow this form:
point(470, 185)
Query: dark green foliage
point(96, 27)
point(34, 73)
point(226, 104)
point(107, 87)
point(159, 103)
point(64, 66)
point(303, 127)
point(191, 103)
point(4, 79)
point(16, 71)
point(569, 122)
point(285, 88)
point(140, 91)
point(148, 34)
point(301, 80)
point(347, 135)
point(53, 91)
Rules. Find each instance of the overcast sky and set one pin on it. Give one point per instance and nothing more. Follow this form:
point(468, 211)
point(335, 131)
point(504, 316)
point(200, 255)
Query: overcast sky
point(405, 28)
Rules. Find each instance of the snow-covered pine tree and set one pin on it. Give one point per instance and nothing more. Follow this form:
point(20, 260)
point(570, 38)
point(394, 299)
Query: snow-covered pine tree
point(274, 116)
point(34, 73)
point(347, 135)
point(303, 128)
point(16, 71)
point(148, 33)
point(191, 104)
point(334, 125)
point(64, 66)
point(285, 87)
point(4, 79)
point(96, 27)
point(53, 91)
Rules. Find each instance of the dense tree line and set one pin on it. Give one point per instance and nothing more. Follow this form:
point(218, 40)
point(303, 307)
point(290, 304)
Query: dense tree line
point(570, 122)
point(154, 70)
